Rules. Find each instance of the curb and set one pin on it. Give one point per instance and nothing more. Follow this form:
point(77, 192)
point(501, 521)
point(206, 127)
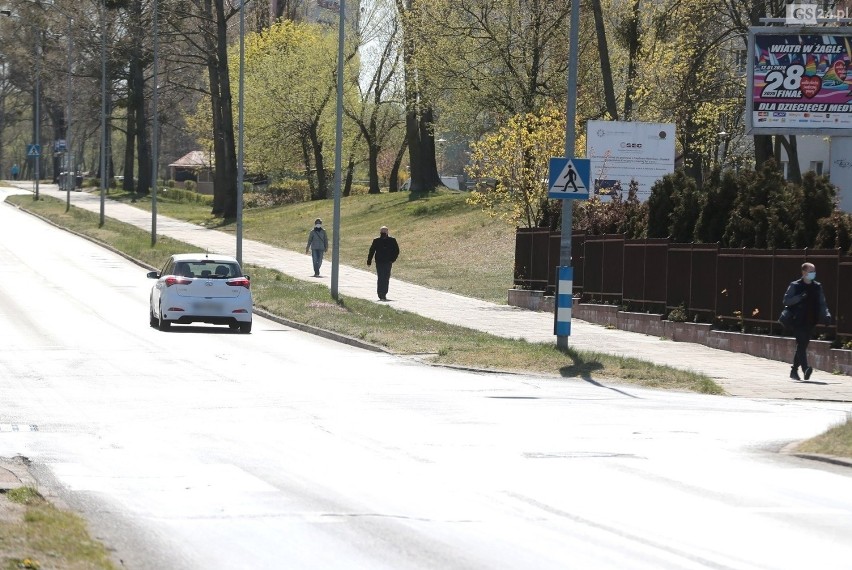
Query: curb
point(14, 473)
point(330, 335)
point(790, 449)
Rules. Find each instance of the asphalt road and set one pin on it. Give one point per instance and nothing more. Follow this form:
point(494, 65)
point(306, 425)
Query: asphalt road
point(204, 449)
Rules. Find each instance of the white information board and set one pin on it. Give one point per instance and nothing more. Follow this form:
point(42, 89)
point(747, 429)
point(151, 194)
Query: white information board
point(623, 151)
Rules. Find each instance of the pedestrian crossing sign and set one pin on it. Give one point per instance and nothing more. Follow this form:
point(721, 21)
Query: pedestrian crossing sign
point(33, 150)
point(569, 178)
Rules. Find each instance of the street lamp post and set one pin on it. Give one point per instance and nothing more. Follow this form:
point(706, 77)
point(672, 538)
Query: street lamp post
point(36, 115)
point(70, 166)
point(155, 147)
point(240, 134)
point(338, 156)
point(103, 112)
point(570, 142)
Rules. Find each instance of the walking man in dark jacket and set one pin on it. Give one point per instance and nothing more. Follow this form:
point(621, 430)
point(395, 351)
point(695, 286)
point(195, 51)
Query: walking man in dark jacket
point(806, 299)
point(386, 250)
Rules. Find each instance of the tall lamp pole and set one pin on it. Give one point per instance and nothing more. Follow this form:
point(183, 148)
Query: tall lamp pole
point(338, 156)
point(155, 135)
point(103, 111)
point(70, 166)
point(36, 114)
point(240, 133)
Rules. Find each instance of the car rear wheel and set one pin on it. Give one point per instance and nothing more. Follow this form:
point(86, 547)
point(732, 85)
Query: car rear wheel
point(163, 324)
point(152, 318)
point(245, 328)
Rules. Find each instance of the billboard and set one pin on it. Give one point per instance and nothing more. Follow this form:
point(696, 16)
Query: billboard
point(623, 151)
point(799, 82)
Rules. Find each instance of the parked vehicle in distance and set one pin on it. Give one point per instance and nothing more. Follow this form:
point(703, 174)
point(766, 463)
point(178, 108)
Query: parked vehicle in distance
point(201, 288)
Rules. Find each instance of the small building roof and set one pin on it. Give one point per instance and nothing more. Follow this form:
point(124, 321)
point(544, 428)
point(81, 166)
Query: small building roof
point(194, 159)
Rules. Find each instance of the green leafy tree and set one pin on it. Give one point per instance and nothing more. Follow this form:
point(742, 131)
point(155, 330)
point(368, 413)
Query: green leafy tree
point(721, 190)
point(817, 202)
point(512, 166)
point(674, 207)
point(617, 215)
point(289, 94)
point(755, 210)
point(378, 111)
point(835, 232)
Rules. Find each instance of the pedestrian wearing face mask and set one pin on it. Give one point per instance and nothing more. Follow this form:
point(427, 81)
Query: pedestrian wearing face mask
point(317, 245)
point(386, 250)
point(806, 300)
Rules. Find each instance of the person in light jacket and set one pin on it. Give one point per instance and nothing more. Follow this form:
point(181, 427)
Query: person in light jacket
point(317, 245)
point(806, 299)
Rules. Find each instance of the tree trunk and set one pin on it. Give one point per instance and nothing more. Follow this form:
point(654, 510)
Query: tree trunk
point(762, 149)
point(693, 157)
point(306, 157)
point(322, 178)
point(373, 166)
point(393, 180)
point(130, 152)
point(225, 176)
point(606, 68)
point(350, 166)
point(633, 55)
point(350, 174)
point(418, 119)
point(791, 147)
point(137, 102)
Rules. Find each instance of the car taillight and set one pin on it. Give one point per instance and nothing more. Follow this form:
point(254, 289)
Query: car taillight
point(239, 282)
point(172, 280)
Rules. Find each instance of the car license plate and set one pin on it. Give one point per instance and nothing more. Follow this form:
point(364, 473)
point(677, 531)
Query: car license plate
point(207, 306)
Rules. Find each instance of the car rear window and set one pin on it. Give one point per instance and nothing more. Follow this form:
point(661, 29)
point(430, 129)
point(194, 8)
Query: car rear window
point(208, 268)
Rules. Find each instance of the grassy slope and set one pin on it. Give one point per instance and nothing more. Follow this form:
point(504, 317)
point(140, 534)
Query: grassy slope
point(445, 244)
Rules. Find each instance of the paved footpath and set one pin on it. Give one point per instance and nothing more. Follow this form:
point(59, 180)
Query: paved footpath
point(739, 374)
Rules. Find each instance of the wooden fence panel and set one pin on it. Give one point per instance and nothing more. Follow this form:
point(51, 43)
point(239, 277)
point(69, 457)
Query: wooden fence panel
point(734, 286)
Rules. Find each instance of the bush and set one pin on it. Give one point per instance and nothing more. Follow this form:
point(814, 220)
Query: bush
point(190, 185)
point(185, 196)
point(678, 314)
point(291, 191)
point(359, 190)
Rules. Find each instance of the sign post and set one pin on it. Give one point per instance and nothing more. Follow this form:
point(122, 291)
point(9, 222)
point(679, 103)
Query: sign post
point(568, 179)
point(570, 141)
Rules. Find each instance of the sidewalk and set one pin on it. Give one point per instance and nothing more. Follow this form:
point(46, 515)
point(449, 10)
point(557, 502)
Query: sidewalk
point(739, 374)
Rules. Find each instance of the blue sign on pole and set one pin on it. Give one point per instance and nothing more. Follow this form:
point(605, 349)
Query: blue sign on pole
point(569, 179)
point(33, 150)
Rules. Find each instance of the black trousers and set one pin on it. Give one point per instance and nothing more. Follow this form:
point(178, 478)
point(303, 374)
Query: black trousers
point(383, 270)
point(803, 338)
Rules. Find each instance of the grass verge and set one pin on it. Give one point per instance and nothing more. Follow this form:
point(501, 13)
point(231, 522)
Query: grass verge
point(39, 535)
point(399, 332)
point(440, 236)
point(836, 441)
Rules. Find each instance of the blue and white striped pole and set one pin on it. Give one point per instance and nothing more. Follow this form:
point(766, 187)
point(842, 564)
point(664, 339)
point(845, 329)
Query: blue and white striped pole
point(564, 301)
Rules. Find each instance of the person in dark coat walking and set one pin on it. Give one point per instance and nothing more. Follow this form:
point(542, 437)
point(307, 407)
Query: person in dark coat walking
point(806, 299)
point(386, 250)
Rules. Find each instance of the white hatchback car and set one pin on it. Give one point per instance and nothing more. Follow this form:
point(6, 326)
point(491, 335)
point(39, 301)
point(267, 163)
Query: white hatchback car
point(201, 288)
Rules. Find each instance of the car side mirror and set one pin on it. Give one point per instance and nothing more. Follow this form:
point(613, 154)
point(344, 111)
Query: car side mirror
point(247, 277)
point(153, 275)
